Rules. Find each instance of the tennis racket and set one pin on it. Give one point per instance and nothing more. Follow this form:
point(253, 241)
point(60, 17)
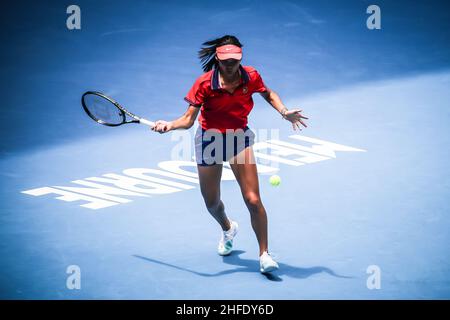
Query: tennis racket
point(104, 110)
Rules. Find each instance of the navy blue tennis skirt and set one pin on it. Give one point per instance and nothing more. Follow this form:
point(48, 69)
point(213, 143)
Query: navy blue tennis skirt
point(214, 147)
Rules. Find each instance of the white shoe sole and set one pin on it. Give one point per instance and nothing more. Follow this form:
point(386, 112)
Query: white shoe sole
point(268, 269)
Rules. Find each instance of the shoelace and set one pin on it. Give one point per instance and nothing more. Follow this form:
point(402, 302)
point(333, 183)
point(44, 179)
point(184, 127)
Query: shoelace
point(227, 236)
point(272, 255)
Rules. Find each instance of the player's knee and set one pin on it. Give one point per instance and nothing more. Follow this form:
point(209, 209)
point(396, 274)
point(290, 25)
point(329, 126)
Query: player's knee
point(253, 200)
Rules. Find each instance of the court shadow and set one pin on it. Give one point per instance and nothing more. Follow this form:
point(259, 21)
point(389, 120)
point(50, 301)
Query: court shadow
point(285, 269)
point(248, 265)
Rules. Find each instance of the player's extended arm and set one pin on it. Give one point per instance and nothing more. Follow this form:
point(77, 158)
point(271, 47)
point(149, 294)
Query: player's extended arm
point(184, 122)
point(274, 100)
point(293, 116)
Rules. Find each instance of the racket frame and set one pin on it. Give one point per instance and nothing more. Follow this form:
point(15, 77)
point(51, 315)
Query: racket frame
point(123, 112)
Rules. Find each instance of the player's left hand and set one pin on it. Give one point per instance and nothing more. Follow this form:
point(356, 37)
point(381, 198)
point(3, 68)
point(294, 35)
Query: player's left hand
point(295, 117)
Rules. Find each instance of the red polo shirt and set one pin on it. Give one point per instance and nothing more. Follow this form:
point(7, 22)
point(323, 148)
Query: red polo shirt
point(220, 109)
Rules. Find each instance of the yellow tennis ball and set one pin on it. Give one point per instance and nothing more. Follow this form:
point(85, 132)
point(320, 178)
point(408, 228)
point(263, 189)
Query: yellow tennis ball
point(275, 180)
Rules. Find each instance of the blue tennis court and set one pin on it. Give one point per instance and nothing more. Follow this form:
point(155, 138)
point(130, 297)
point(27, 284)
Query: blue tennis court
point(364, 189)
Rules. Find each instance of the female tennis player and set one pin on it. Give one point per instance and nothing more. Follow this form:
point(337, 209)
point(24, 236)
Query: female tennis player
point(223, 96)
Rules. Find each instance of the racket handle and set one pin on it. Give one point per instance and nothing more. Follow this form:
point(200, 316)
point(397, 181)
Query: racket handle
point(146, 122)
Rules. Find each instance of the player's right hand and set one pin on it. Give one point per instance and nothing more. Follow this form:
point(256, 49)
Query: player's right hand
point(162, 126)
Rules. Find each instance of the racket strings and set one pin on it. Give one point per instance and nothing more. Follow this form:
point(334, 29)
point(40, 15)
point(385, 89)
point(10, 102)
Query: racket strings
point(103, 110)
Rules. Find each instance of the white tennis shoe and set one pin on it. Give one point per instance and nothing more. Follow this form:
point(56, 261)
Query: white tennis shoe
point(226, 242)
point(266, 263)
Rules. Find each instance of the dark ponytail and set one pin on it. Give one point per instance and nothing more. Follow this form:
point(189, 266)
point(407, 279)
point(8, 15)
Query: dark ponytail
point(207, 54)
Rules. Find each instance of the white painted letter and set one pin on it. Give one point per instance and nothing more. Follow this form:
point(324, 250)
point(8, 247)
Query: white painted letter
point(93, 203)
point(132, 184)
